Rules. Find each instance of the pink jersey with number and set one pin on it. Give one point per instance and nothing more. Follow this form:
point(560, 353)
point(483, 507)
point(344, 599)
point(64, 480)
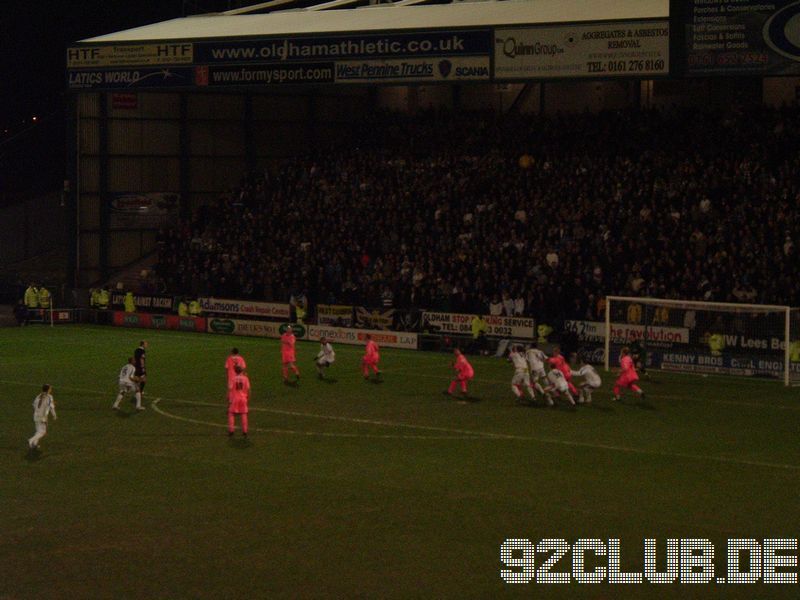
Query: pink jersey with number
point(238, 394)
point(287, 347)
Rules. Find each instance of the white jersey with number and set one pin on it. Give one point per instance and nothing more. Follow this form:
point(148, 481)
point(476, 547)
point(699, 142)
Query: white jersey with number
point(536, 359)
point(556, 379)
point(43, 407)
point(326, 353)
point(126, 373)
point(589, 375)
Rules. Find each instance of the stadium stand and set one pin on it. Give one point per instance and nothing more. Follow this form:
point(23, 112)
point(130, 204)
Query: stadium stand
point(542, 216)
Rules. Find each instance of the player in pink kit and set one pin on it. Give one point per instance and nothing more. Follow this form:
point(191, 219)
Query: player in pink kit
point(371, 358)
point(464, 371)
point(238, 398)
point(628, 376)
point(287, 355)
point(557, 362)
point(234, 360)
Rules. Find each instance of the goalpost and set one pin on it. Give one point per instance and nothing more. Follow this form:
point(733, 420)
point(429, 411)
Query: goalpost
point(706, 337)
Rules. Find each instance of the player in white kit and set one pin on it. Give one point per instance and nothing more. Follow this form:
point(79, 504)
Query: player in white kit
point(536, 359)
point(558, 383)
point(521, 379)
point(128, 385)
point(325, 358)
point(591, 380)
point(43, 407)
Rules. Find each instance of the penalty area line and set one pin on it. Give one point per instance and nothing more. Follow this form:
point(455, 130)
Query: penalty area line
point(155, 406)
point(463, 434)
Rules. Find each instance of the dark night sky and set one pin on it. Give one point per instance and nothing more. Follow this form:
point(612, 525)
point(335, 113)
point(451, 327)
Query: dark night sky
point(36, 34)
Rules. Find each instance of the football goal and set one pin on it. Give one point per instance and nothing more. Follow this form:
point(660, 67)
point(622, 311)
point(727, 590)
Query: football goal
point(705, 337)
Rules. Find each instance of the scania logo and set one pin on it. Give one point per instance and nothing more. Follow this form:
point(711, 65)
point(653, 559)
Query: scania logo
point(222, 326)
point(782, 31)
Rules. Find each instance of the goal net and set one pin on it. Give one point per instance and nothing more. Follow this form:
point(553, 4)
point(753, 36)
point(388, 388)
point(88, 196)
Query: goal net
point(705, 337)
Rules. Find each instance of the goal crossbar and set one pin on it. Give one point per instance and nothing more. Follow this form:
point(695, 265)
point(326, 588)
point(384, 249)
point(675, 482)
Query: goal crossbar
point(734, 307)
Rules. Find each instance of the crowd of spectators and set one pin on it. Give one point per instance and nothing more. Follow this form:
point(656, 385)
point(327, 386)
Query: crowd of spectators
point(512, 214)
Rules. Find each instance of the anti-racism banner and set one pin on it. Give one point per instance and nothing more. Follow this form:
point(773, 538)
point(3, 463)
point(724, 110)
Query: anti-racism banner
point(153, 321)
point(722, 37)
point(335, 314)
point(461, 324)
point(374, 318)
point(621, 333)
point(269, 329)
point(613, 49)
point(341, 335)
point(270, 310)
point(145, 302)
point(142, 210)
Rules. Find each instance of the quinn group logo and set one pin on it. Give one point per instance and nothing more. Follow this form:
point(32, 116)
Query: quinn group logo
point(782, 31)
point(512, 48)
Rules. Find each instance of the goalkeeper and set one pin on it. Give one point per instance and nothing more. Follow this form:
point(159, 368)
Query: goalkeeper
point(639, 355)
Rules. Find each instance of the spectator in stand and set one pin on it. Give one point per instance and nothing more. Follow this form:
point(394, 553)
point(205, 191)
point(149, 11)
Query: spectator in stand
point(681, 203)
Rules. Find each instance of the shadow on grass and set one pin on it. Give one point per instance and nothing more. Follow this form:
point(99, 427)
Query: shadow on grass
point(239, 443)
point(600, 408)
point(329, 380)
point(121, 414)
point(294, 384)
point(375, 381)
point(33, 455)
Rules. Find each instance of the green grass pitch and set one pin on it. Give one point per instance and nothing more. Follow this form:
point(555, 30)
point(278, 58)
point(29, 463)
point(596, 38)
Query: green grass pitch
point(356, 489)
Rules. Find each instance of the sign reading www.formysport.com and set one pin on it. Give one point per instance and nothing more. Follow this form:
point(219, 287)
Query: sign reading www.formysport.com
point(619, 49)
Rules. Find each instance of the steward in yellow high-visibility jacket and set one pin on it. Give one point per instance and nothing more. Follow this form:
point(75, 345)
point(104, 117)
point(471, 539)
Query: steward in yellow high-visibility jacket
point(32, 296)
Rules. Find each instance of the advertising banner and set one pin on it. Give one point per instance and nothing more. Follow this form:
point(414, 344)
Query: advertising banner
point(414, 69)
point(242, 327)
point(130, 55)
point(374, 318)
point(152, 321)
point(738, 36)
point(725, 364)
point(621, 333)
point(131, 78)
point(335, 314)
point(457, 323)
point(458, 55)
point(142, 210)
point(145, 303)
point(340, 335)
point(613, 49)
point(345, 47)
point(271, 310)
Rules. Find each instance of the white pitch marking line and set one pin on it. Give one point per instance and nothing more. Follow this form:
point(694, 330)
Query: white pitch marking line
point(501, 436)
point(162, 412)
